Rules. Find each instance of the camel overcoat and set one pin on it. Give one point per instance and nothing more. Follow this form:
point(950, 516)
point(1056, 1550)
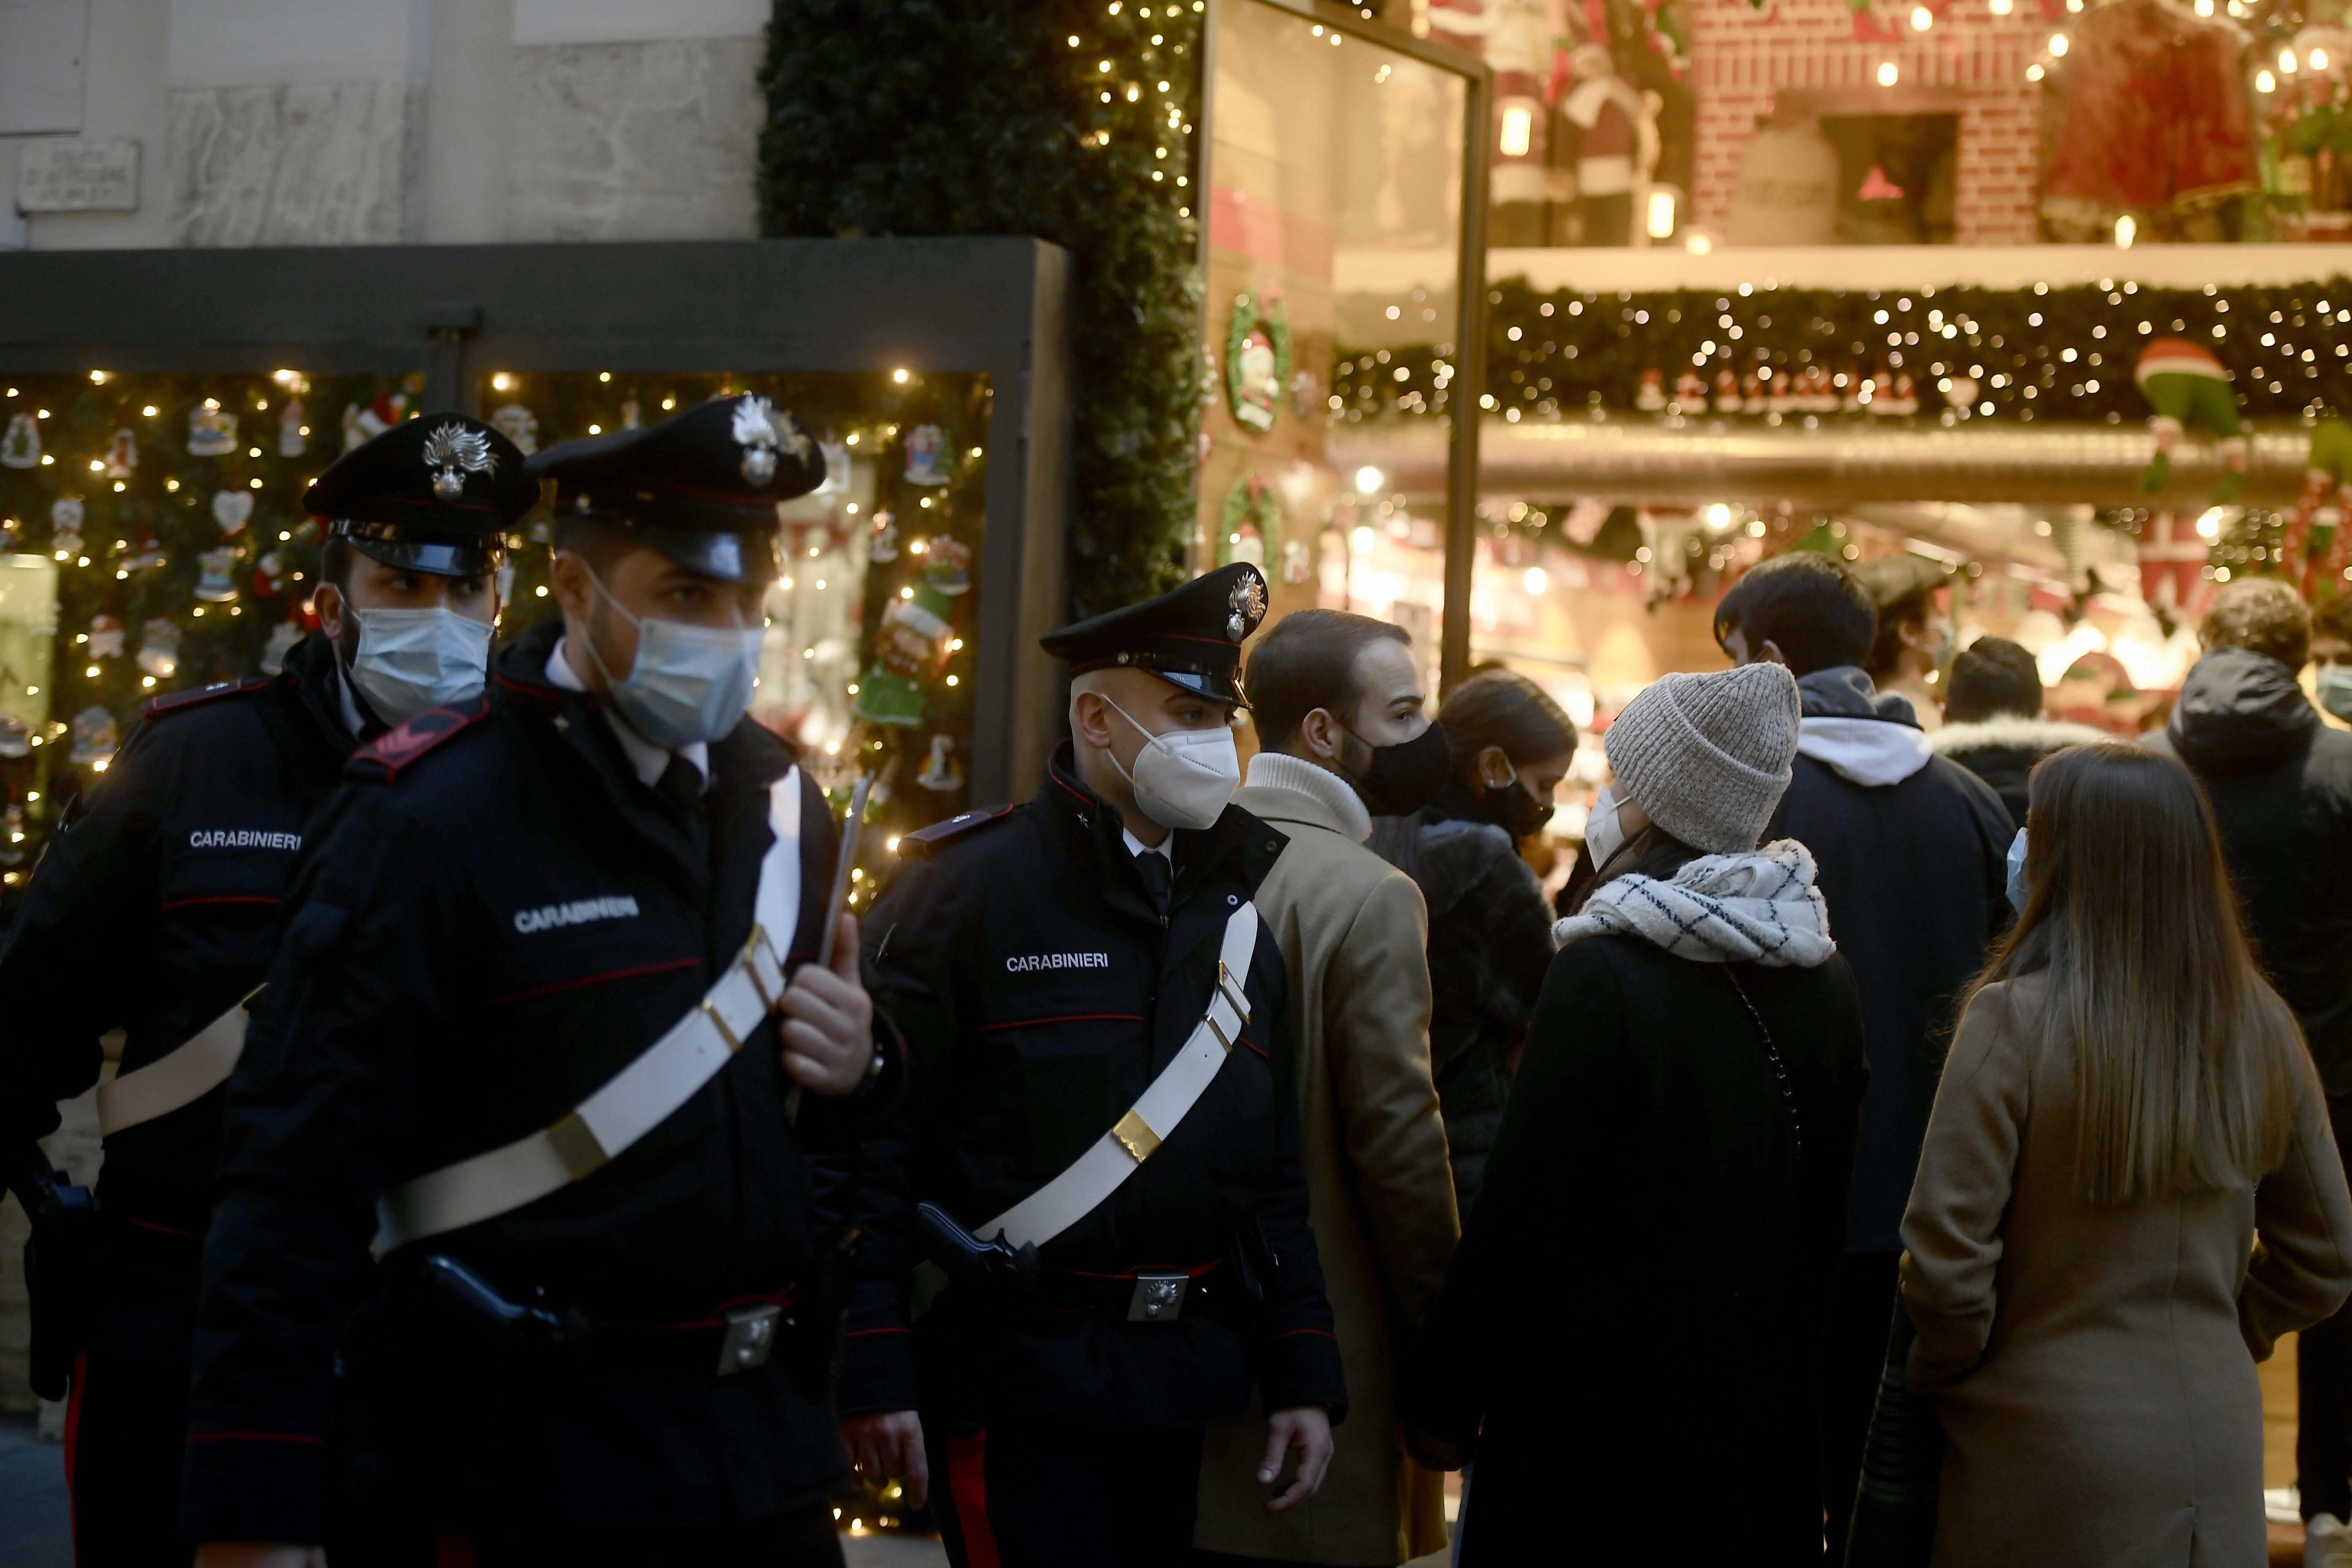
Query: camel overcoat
point(2094, 1366)
point(1355, 934)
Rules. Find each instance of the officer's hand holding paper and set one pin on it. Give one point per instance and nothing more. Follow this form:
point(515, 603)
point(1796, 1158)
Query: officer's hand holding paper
point(828, 1024)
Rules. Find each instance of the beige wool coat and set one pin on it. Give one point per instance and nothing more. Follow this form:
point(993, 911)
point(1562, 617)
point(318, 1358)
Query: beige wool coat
point(1354, 934)
point(2094, 1366)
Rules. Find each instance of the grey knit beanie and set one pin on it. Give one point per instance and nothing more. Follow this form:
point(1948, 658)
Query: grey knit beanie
point(1709, 755)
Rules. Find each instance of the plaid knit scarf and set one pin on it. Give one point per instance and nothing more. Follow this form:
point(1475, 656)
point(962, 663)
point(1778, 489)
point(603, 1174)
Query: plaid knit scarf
point(1718, 908)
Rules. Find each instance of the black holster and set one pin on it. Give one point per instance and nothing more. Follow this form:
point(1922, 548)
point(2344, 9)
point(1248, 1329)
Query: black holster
point(987, 1284)
point(61, 1263)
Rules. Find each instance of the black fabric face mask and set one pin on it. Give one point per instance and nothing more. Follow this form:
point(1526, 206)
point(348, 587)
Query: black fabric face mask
point(1405, 777)
point(1515, 811)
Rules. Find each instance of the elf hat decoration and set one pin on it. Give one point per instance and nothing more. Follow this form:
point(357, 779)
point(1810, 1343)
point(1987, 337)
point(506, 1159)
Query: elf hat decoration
point(2186, 385)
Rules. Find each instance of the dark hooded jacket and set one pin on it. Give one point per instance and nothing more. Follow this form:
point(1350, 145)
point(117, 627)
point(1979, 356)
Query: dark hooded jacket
point(2281, 783)
point(2002, 751)
point(1911, 849)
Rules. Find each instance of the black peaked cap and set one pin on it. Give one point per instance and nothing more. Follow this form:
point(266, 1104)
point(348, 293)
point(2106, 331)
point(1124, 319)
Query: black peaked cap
point(701, 486)
point(1190, 636)
point(433, 494)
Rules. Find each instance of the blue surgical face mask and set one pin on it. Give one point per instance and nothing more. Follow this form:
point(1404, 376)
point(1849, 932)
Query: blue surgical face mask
point(689, 683)
point(2017, 872)
point(2334, 681)
point(409, 660)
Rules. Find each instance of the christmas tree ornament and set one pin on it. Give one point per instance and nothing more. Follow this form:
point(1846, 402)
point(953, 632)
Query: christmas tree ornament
point(21, 446)
point(1249, 524)
point(885, 546)
point(65, 525)
point(1780, 392)
point(1257, 360)
point(1817, 393)
point(1904, 398)
point(1690, 393)
point(1652, 396)
point(105, 636)
point(212, 431)
point(123, 456)
point(159, 648)
point(94, 737)
point(2186, 385)
point(837, 469)
point(1727, 391)
point(282, 638)
point(926, 456)
point(517, 424)
point(940, 771)
point(451, 452)
point(910, 644)
point(232, 508)
point(291, 440)
point(2327, 484)
point(265, 573)
point(1752, 394)
point(363, 424)
point(15, 740)
point(214, 585)
point(149, 552)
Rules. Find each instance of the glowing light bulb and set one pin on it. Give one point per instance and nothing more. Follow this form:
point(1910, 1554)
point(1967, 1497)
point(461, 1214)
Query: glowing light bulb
point(1887, 74)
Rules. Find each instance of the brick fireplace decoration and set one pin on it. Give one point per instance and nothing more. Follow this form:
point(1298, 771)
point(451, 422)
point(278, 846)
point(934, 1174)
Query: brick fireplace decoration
point(1972, 63)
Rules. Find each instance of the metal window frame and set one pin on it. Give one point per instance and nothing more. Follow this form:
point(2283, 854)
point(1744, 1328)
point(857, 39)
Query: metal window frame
point(996, 306)
point(1470, 278)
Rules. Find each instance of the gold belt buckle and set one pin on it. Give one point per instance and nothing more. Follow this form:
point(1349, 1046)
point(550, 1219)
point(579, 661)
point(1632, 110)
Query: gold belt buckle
point(1158, 1298)
point(750, 1338)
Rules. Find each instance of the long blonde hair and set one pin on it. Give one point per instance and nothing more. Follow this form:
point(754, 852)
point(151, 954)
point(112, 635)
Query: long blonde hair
point(2185, 1060)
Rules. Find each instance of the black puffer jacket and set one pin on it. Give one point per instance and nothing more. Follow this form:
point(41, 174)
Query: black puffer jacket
point(2281, 783)
point(1489, 944)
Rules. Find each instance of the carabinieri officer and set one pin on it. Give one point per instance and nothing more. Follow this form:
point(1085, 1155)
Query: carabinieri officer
point(1101, 1117)
point(177, 857)
point(524, 1043)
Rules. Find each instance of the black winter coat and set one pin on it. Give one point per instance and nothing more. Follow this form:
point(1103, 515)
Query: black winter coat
point(1041, 992)
point(425, 1008)
point(2281, 783)
point(2002, 751)
point(1639, 1289)
point(1916, 873)
point(1489, 946)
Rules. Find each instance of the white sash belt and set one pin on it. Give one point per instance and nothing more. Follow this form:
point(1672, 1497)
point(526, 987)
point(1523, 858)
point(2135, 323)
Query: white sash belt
point(1119, 1154)
point(180, 1076)
point(638, 1098)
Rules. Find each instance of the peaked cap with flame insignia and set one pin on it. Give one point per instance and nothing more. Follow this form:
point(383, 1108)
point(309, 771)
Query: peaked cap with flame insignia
point(432, 494)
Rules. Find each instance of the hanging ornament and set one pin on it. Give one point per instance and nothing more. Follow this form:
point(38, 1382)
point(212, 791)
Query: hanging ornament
point(291, 441)
point(837, 469)
point(1727, 391)
point(940, 771)
point(213, 583)
point(93, 736)
point(123, 456)
point(105, 636)
point(159, 648)
point(266, 569)
point(1904, 398)
point(885, 546)
point(282, 638)
point(65, 525)
point(1752, 394)
point(926, 456)
point(629, 414)
point(1780, 392)
point(1690, 393)
point(231, 509)
point(1249, 524)
point(21, 446)
point(910, 645)
point(1651, 398)
point(1297, 562)
point(517, 424)
point(15, 740)
point(1814, 392)
point(2185, 384)
point(149, 552)
point(212, 431)
point(1257, 360)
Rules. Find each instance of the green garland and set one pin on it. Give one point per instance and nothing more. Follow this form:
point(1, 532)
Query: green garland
point(955, 117)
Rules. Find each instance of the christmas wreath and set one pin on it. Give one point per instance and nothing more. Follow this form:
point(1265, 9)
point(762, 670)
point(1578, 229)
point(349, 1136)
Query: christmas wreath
point(1252, 505)
point(1257, 360)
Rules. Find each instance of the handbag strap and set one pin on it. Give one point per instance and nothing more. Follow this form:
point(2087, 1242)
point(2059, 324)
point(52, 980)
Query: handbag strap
point(1780, 1068)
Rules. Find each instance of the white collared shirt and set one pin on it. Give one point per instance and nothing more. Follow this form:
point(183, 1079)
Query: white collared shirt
point(1165, 848)
point(647, 759)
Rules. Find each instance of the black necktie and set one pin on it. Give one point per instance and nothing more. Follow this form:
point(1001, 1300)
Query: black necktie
point(680, 787)
point(1152, 866)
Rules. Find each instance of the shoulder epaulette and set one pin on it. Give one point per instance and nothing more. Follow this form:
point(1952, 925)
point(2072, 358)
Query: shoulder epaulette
point(926, 842)
point(172, 702)
point(383, 759)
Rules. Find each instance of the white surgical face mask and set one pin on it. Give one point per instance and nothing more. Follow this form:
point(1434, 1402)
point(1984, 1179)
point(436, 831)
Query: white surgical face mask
point(409, 660)
point(1184, 778)
point(1603, 835)
point(690, 683)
